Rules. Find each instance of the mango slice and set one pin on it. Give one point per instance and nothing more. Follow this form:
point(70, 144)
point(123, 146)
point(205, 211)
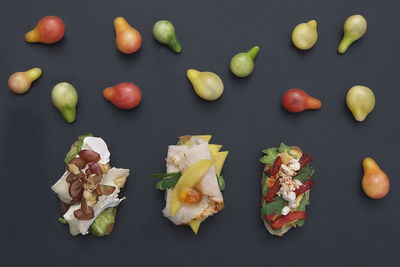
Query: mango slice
point(214, 148)
point(189, 179)
point(195, 225)
point(219, 158)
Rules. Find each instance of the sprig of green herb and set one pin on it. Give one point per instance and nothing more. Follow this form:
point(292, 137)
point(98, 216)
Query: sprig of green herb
point(169, 180)
point(76, 147)
point(302, 207)
point(275, 207)
point(284, 147)
point(62, 220)
point(304, 174)
point(221, 182)
point(270, 155)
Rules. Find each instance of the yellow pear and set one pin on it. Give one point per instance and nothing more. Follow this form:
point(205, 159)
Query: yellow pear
point(361, 101)
point(207, 85)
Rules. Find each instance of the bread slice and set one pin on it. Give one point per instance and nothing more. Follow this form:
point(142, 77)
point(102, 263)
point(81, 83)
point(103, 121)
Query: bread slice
point(297, 151)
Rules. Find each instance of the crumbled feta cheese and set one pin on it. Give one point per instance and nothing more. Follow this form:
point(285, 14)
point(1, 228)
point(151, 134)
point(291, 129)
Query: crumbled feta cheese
point(285, 211)
point(286, 170)
point(288, 184)
point(294, 164)
point(298, 183)
point(291, 196)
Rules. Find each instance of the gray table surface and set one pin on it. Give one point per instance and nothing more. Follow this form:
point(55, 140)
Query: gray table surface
point(344, 227)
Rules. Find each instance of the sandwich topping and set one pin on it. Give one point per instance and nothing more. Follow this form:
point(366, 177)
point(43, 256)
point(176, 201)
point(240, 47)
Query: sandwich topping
point(285, 187)
point(89, 187)
point(193, 183)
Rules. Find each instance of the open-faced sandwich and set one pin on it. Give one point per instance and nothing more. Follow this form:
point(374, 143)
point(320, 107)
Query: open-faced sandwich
point(192, 182)
point(286, 187)
point(88, 189)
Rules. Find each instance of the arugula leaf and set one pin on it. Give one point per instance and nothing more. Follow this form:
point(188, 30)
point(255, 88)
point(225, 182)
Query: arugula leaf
point(163, 175)
point(275, 206)
point(62, 220)
point(168, 182)
point(302, 207)
point(264, 185)
point(282, 148)
point(76, 147)
point(270, 155)
point(305, 173)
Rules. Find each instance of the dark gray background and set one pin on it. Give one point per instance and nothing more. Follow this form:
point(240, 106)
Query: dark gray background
point(344, 227)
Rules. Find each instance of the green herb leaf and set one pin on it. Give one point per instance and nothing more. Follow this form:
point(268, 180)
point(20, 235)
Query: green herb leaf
point(221, 182)
point(284, 147)
point(168, 182)
point(305, 173)
point(62, 220)
point(76, 147)
point(275, 207)
point(270, 155)
point(164, 175)
point(302, 207)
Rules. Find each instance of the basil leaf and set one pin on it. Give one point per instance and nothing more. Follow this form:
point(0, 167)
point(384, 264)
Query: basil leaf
point(305, 173)
point(275, 207)
point(270, 155)
point(302, 207)
point(164, 175)
point(221, 182)
point(168, 182)
point(76, 147)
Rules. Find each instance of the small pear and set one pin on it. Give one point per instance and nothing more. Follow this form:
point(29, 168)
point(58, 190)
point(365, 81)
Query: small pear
point(49, 30)
point(354, 28)
point(242, 64)
point(305, 35)
point(65, 99)
point(361, 101)
point(20, 82)
point(164, 32)
point(128, 39)
point(207, 85)
point(375, 182)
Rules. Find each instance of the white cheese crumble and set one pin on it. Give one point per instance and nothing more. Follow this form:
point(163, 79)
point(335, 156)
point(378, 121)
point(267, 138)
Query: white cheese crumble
point(294, 164)
point(285, 211)
point(288, 184)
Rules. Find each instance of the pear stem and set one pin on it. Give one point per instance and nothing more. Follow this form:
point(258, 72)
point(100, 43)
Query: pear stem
point(345, 43)
point(253, 52)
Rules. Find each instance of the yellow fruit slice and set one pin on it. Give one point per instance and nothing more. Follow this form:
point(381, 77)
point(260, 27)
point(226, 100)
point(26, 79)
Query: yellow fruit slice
point(189, 179)
point(219, 158)
point(214, 148)
point(195, 225)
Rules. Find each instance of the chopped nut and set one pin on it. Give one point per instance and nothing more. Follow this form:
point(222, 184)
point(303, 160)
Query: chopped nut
point(73, 169)
point(90, 198)
point(104, 167)
point(120, 181)
point(92, 181)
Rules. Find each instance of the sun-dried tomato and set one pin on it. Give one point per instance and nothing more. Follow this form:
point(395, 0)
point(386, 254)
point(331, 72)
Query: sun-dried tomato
point(291, 217)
